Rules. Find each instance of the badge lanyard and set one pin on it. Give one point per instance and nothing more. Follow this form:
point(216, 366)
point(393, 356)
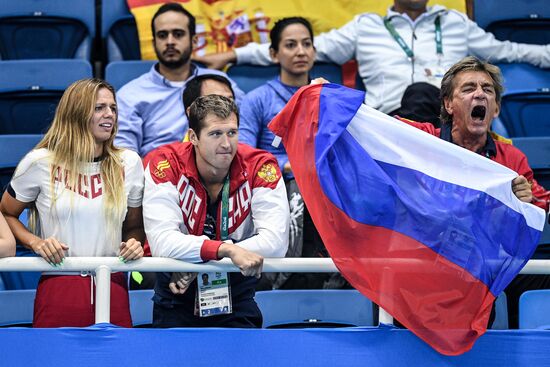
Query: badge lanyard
point(397, 37)
point(224, 233)
point(214, 294)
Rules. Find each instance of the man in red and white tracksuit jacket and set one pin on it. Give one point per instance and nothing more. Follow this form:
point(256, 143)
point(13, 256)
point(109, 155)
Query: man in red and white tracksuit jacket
point(183, 214)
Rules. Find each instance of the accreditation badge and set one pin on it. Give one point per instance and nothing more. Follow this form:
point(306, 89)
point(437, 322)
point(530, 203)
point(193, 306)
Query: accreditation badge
point(214, 296)
point(434, 75)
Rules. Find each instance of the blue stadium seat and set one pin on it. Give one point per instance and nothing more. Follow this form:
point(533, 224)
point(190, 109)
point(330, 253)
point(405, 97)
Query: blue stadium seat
point(17, 307)
point(524, 113)
point(498, 127)
point(314, 308)
point(501, 310)
point(537, 150)
point(534, 309)
point(31, 89)
point(517, 21)
point(249, 77)
point(141, 307)
point(119, 73)
point(12, 149)
point(119, 32)
point(46, 29)
point(526, 100)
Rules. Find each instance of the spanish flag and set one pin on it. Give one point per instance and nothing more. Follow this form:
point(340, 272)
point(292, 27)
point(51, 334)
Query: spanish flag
point(225, 24)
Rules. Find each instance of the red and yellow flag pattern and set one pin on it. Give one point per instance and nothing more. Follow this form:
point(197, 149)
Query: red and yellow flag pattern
point(225, 24)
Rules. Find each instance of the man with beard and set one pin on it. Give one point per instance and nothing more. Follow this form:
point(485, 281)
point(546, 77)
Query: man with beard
point(151, 110)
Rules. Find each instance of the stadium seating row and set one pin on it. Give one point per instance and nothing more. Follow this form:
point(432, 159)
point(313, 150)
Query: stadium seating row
point(67, 29)
point(30, 90)
point(280, 309)
point(517, 21)
point(293, 308)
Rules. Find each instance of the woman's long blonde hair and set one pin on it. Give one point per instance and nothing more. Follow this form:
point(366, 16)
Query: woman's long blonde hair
point(71, 144)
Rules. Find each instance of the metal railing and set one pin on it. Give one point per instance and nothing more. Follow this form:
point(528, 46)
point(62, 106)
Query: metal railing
point(104, 266)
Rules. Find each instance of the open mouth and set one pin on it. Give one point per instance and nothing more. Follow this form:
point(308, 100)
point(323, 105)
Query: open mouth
point(478, 112)
point(106, 125)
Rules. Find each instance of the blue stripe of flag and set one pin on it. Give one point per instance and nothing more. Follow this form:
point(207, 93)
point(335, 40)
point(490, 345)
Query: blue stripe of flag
point(468, 227)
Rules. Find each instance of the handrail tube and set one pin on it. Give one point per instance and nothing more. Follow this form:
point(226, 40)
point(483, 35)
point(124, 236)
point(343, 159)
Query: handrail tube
point(103, 266)
point(158, 264)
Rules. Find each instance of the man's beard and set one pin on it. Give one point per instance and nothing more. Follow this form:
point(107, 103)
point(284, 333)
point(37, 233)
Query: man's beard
point(174, 64)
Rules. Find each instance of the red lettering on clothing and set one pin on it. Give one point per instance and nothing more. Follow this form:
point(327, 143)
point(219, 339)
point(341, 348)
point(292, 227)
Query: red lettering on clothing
point(189, 203)
point(84, 183)
point(97, 187)
point(239, 205)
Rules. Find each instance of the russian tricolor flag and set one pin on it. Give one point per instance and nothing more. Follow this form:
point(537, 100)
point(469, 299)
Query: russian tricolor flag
point(426, 229)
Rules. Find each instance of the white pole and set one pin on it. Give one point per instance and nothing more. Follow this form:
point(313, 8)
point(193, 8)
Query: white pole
point(298, 265)
point(103, 294)
point(384, 317)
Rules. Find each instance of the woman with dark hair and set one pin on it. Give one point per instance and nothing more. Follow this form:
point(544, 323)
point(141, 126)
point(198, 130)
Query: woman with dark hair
point(85, 195)
point(292, 48)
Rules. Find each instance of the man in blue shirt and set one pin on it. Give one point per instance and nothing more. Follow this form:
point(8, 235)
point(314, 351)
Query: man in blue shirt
point(151, 110)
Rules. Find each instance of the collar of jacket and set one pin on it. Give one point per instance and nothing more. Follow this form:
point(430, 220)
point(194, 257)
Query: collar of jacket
point(238, 173)
point(489, 150)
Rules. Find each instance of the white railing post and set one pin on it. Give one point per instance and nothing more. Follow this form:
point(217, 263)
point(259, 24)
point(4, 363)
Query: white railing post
point(103, 294)
point(384, 317)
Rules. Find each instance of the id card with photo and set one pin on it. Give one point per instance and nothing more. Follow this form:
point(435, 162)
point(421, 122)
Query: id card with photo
point(214, 296)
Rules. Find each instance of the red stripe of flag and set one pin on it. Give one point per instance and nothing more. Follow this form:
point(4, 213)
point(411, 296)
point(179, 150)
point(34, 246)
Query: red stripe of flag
point(391, 269)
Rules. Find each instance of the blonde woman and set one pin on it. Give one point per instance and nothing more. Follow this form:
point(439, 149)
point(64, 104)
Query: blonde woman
point(87, 194)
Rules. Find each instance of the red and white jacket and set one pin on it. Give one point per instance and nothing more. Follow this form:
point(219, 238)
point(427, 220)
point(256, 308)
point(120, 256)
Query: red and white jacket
point(175, 204)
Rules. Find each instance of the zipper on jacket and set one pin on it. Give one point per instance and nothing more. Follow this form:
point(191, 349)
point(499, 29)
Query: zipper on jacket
point(412, 48)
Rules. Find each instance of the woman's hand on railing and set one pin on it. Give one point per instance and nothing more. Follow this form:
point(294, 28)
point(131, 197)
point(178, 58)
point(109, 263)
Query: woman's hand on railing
point(50, 249)
point(130, 250)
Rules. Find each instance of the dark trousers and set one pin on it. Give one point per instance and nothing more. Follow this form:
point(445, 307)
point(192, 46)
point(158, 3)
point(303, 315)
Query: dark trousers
point(246, 314)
